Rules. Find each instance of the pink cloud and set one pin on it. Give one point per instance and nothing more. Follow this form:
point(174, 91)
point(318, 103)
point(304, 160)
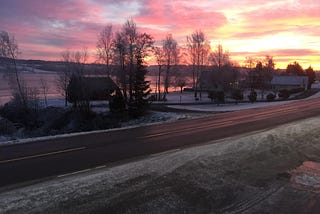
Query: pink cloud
point(178, 18)
point(45, 28)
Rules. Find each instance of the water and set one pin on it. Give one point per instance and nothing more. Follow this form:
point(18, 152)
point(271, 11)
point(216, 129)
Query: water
point(154, 79)
point(33, 80)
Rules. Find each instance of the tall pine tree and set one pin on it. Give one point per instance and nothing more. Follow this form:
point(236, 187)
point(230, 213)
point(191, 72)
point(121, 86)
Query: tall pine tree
point(139, 104)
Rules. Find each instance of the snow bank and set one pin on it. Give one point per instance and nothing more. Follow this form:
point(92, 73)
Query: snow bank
point(228, 107)
point(150, 119)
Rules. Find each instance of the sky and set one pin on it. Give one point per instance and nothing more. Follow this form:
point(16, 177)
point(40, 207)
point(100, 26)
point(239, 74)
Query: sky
point(288, 30)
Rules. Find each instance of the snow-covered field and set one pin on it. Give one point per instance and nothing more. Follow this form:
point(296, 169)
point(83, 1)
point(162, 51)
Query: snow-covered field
point(243, 174)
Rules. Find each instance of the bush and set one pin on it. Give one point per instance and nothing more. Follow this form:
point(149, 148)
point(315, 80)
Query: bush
point(220, 97)
point(271, 97)
point(117, 103)
point(211, 95)
point(237, 95)
point(216, 96)
point(252, 96)
point(296, 90)
point(6, 127)
point(284, 94)
point(16, 113)
point(153, 97)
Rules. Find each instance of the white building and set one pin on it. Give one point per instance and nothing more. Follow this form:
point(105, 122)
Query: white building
point(289, 82)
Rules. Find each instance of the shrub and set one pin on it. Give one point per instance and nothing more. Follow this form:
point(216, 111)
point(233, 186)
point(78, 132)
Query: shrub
point(117, 103)
point(252, 96)
point(211, 95)
point(153, 97)
point(6, 127)
point(284, 94)
point(271, 97)
point(296, 90)
point(216, 96)
point(237, 95)
point(16, 113)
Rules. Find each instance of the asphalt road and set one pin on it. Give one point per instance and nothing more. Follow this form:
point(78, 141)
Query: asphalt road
point(50, 158)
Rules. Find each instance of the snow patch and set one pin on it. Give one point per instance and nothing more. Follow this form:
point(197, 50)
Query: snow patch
point(307, 177)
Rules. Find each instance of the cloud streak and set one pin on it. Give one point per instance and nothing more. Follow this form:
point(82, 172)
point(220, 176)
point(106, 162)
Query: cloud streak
point(289, 29)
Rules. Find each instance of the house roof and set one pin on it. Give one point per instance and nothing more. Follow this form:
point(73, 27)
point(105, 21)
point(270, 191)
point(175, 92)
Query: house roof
point(100, 83)
point(289, 80)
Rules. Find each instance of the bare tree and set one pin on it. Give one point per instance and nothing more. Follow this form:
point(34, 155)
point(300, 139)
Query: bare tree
point(220, 61)
point(81, 99)
point(120, 59)
point(65, 75)
point(219, 57)
point(9, 52)
point(159, 55)
point(170, 53)
point(180, 81)
point(198, 49)
point(44, 88)
point(130, 34)
point(131, 45)
point(131, 48)
point(80, 58)
point(33, 98)
point(250, 63)
point(105, 47)
point(269, 63)
point(74, 62)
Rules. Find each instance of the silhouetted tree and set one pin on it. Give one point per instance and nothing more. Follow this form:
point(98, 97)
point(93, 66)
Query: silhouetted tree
point(237, 95)
point(139, 102)
point(219, 57)
point(198, 48)
point(250, 62)
point(44, 89)
point(180, 80)
point(250, 65)
point(105, 47)
point(117, 103)
point(216, 95)
point(120, 59)
point(311, 76)
point(131, 48)
point(252, 96)
point(170, 54)
point(269, 64)
point(271, 97)
point(70, 79)
point(284, 94)
point(159, 55)
point(9, 52)
point(221, 64)
point(259, 76)
point(295, 69)
point(65, 75)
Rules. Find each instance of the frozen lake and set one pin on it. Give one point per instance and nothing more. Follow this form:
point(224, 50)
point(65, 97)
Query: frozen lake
point(33, 80)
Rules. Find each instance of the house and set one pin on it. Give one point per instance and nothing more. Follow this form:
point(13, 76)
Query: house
point(289, 82)
point(92, 88)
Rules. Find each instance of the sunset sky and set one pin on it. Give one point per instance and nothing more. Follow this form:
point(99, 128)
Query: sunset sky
point(288, 30)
